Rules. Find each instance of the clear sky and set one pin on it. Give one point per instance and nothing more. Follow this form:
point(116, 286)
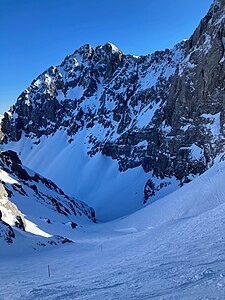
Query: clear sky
point(35, 34)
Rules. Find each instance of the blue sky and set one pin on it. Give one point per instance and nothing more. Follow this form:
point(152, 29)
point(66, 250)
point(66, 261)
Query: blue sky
point(36, 34)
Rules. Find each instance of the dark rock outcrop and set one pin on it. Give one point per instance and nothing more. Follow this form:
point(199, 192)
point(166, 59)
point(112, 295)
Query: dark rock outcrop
point(18, 185)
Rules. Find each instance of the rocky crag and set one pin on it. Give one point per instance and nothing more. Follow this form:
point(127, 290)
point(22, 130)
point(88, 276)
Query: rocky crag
point(28, 199)
point(164, 112)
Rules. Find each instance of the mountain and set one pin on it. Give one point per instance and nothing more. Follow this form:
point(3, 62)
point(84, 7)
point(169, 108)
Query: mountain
point(119, 132)
point(125, 130)
point(33, 210)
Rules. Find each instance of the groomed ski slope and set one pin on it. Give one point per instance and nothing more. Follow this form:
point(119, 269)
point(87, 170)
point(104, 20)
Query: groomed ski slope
point(172, 249)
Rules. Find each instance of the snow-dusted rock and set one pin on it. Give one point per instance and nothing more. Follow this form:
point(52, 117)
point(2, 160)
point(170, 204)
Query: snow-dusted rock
point(31, 204)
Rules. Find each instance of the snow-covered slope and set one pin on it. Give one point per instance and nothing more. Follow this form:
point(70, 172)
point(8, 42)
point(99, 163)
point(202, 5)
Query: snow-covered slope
point(171, 250)
point(95, 180)
point(32, 207)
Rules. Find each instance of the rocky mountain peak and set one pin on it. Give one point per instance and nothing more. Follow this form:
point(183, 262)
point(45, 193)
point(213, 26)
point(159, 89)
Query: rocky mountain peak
point(87, 53)
point(109, 49)
point(213, 22)
point(162, 112)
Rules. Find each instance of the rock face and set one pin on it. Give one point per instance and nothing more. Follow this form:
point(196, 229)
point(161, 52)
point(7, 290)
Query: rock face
point(24, 192)
point(164, 111)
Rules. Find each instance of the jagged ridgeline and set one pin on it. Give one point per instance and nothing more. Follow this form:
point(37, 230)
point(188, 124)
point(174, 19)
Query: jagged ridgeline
point(162, 113)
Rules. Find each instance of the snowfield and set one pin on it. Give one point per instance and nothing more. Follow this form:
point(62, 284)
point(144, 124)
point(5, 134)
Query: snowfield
point(171, 249)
